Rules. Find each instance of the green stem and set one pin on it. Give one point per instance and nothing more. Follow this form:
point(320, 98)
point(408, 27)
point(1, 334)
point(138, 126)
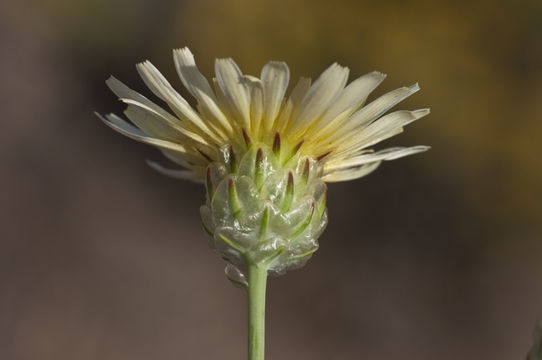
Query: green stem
point(257, 279)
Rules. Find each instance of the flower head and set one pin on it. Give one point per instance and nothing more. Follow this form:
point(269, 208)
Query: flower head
point(264, 155)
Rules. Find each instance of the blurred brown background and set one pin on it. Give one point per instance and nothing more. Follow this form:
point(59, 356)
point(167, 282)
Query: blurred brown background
point(435, 256)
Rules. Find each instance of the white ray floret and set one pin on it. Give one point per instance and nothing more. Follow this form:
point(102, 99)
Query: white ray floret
point(325, 121)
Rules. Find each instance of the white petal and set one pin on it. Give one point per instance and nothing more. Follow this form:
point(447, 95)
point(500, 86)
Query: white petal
point(193, 158)
point(177, 174)
point(231, 82)
point(372, 111)
point(350, 174)
point(199, 87)
point(189, 153)
point(389, 124)
point(300, 91)
point(162, 88)
point(351, 98)
point(124, 92)
point(275, 77)
point(256, 104)
point(123, 127)
point(293, 104)
point(180, 128)
point(191, 77)
point(384, 128)
point(321, 95)
point(152, 124)
point(386, 154)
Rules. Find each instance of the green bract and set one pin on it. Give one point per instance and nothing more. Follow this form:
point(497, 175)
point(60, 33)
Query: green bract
point(264, 208)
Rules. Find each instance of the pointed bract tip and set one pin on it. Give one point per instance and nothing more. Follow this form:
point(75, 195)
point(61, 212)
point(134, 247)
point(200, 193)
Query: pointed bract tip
point(259, 156)
point(306, 169)
point(290, 184)
point(323, 155)
point(276, 144)
point(246, 137)
point(289, 193)
point(265, 222)
point(235, 204)
point(232, 159)
point(290, 177)
point(298, 146)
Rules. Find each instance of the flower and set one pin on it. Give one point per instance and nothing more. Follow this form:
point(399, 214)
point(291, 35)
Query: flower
point(264, 156)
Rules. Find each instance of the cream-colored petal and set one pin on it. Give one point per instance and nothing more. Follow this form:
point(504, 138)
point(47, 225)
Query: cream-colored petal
point(163, 89)
point(124, 92)
point(199, 87)
point(188, 152)
point(232, 83)
point(152, 124)
point(384, 128)
point(275, 76)
point(300, 91)
point(372, 111)
point(192, 158)
point(386, 154)
point(352, 173)
point(320, 96)
point(256, 105)
point(176, 173)
point(323, 121)
point(389, 124)
point(190, 75)
point(180, 128)
point(223, 104)
point(291, 106)
point(351, 98)
point(123, 127)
